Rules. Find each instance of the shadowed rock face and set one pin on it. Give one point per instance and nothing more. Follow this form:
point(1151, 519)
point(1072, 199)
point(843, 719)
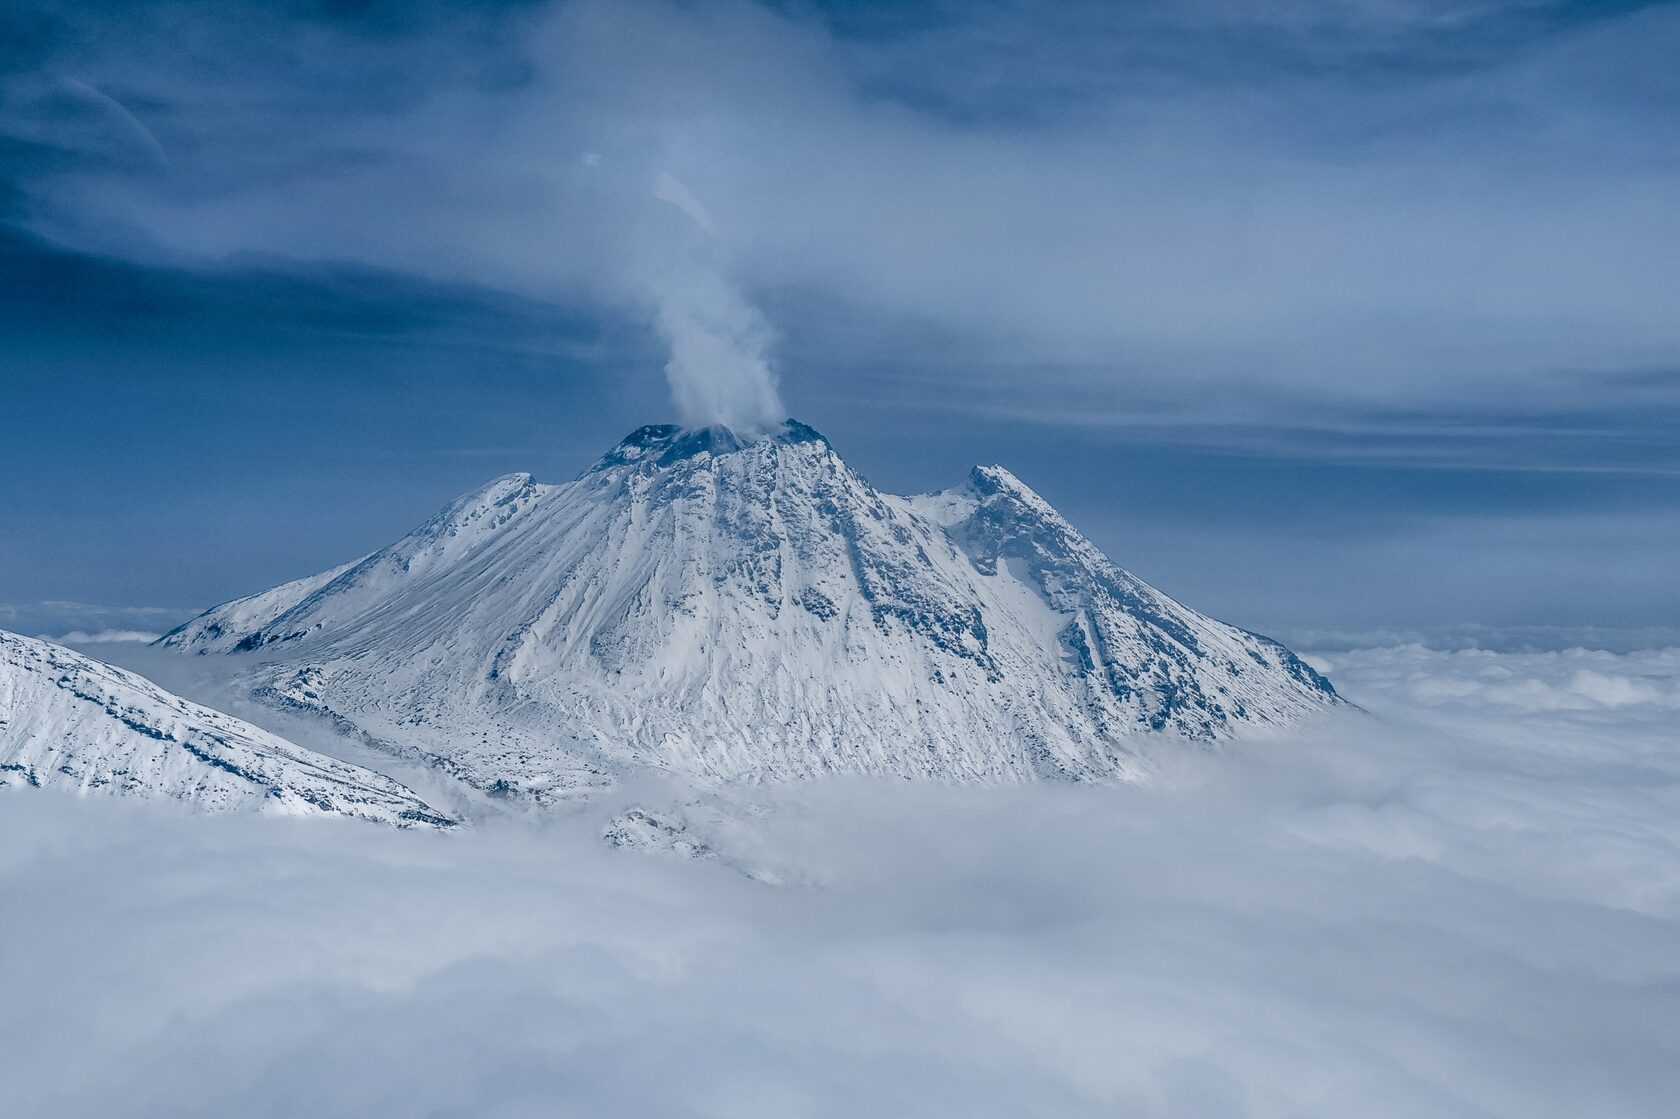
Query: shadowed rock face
point(750, 611)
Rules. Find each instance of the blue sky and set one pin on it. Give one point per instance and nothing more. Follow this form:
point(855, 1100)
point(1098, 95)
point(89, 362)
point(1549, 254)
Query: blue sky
point(1317, 315)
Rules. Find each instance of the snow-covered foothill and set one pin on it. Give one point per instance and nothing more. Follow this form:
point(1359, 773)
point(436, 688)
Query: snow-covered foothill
point(71, 722)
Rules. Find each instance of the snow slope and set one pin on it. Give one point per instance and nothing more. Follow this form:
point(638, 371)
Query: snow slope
point(748, 612)
point(69, 721)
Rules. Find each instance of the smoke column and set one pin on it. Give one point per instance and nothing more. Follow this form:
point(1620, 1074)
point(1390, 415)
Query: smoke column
point(719, 368)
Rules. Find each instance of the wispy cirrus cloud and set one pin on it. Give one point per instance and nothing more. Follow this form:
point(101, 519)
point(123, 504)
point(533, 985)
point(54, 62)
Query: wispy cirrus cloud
point(1370, 200)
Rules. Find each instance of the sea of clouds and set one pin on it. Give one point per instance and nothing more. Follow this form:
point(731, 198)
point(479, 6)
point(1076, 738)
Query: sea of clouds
point(1463, 900)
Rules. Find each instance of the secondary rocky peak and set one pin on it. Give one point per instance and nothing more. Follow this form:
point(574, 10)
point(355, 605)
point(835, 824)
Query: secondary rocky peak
point(795, 432)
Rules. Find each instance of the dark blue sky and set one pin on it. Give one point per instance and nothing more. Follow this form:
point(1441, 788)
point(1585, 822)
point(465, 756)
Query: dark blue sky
point(1338, 316)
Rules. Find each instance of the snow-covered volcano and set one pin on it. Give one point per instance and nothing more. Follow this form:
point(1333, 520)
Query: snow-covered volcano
point(68, 721)
point(752, 611)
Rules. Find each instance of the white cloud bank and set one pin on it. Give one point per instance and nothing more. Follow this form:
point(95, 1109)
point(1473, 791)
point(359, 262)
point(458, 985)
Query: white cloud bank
point(106, 637)
point(1464, 904)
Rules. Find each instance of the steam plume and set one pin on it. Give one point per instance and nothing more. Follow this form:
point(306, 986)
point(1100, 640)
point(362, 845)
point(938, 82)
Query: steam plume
point(719, 368)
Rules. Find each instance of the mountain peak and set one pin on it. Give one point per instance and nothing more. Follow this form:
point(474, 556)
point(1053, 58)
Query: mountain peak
point(996, 484)
point(751, 609)
point(795, 432)
point(668, 444)
point(714, 439)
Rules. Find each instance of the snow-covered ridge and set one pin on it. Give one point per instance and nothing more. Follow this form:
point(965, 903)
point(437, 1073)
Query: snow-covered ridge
point(748, 611)
point(68, 721)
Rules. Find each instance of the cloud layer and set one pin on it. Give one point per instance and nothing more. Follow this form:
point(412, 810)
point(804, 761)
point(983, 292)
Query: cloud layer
point(1462, 904)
